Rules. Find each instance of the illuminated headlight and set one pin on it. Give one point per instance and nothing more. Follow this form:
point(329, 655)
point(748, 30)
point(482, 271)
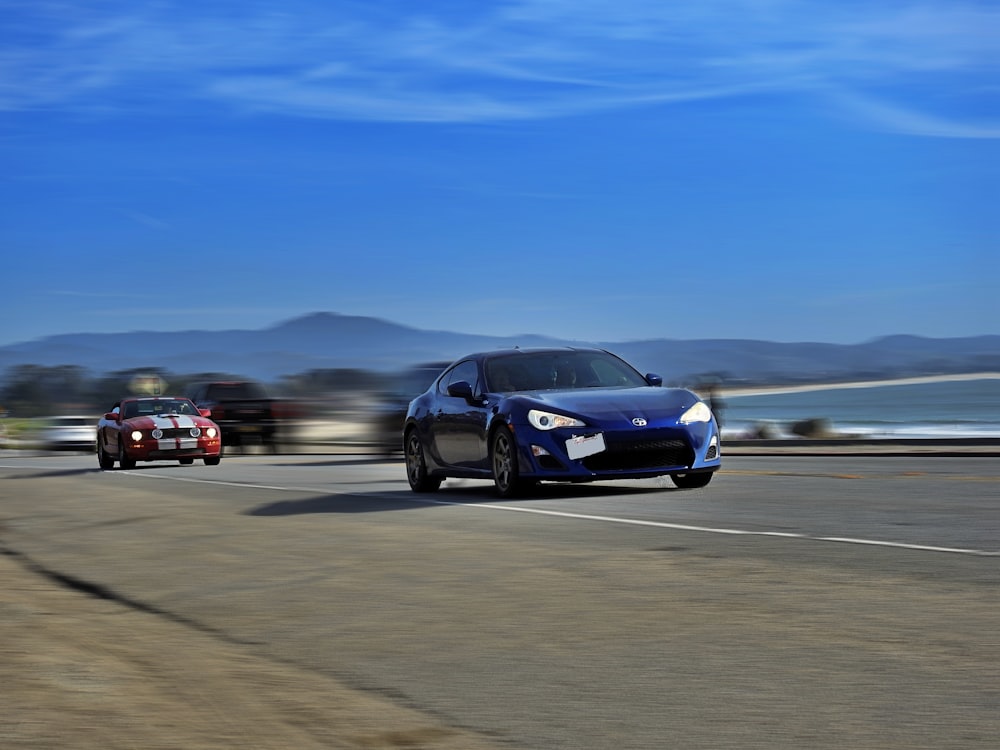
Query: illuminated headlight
point(156, 434)
point(544, 420)
point(195, 431)
point(211, 432)
point(136, 435)
point(697, 413)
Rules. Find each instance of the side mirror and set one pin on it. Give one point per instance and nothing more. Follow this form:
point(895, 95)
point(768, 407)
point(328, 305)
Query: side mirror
point(654, 380)
point(113, 416)
point(205, 412)
point(461, 389)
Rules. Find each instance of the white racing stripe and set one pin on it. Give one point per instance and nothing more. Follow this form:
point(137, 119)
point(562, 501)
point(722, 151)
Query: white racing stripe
point(601, 519)
point(172, 444)
point(170, 422)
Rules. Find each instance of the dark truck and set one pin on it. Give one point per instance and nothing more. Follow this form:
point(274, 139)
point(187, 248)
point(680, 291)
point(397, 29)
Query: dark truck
point(243, 410)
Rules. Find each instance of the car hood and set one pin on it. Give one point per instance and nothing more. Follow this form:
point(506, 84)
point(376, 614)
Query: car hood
point(169, 422)
point(610, 404)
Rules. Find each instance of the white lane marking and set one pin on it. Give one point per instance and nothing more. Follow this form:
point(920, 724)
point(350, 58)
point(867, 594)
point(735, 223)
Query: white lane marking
point(602, 519)
point(242, 485)
point(734, 532)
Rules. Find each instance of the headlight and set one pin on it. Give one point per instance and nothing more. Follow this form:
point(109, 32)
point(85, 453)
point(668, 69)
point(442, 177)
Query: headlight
point(210, 432)
point(195, 431)
point(544, 420)
point(136, 435)
point(697, 413)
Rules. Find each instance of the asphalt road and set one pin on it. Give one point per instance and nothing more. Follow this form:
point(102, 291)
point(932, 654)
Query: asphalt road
point(819, 602)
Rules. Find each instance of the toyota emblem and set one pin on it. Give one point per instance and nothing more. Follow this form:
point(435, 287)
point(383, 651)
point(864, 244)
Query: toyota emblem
point(639, 422)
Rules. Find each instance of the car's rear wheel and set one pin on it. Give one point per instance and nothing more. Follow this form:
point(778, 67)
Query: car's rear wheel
point(123, 460)
point(503, 459)
point(692, 481)
point(104, 459)
point(416, 466)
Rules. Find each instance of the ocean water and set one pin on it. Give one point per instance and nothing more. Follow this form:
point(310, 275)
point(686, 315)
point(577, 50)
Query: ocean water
point(960, 408)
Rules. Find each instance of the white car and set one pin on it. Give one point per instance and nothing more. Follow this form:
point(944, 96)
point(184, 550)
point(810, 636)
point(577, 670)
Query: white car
point(68, 433)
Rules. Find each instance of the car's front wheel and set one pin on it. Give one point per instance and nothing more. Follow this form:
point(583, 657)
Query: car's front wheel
point(692, 481)
point(124, 461)
point(213, 460)
point(104, 459)
point(416, 466)
point(503, 459)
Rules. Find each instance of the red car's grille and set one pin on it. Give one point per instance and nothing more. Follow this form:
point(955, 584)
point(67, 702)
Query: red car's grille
point(176, 432)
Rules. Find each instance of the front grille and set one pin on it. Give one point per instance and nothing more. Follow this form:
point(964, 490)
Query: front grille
point(172, 433)
point(641, 454)
point(712, 453)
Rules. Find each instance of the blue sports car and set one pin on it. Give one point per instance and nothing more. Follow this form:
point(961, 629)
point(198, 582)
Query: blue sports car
point(522, 416)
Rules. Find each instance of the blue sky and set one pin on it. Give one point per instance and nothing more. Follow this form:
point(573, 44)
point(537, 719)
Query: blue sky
point(595, 170)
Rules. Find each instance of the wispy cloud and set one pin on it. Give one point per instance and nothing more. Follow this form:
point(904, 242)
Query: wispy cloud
point(914, 68)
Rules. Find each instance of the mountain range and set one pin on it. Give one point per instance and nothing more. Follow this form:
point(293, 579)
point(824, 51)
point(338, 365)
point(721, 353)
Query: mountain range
point(327, 340)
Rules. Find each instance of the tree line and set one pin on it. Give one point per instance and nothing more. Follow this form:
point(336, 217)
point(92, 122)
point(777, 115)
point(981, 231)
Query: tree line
point(29, 391)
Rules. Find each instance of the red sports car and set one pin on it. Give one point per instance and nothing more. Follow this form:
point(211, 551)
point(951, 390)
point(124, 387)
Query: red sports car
point(163, 428)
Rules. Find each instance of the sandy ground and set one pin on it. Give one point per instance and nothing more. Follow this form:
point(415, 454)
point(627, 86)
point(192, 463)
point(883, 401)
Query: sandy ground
point(777, 389)
point(86, 673)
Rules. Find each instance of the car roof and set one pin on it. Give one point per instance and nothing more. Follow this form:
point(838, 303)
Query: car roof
point(154, 398)
point(532, 350)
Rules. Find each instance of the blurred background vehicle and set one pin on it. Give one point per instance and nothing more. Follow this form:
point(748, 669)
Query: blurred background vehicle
point(391, 405)
point(244, 410)
point(68, 433)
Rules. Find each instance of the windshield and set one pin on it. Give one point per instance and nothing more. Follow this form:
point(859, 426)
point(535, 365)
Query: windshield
point(160, 407)
point(536, 371)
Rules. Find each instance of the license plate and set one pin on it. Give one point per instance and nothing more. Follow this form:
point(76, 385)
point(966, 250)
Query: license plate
point(581, 446)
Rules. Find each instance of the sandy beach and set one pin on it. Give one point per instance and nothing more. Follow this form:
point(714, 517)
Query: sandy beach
point(777, 389)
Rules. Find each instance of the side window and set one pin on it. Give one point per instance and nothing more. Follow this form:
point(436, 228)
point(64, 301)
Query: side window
point(466, 371)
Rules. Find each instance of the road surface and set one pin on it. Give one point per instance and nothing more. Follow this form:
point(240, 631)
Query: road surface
point(314, 601)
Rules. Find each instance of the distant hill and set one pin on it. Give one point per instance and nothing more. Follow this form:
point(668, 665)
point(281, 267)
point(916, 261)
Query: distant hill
point(332, 341)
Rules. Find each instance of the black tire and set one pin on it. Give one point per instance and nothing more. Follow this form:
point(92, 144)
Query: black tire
point(185, 461)
point(104, 459)
point(503, 460)
point(692, 481)
point(416, 466)
point(124, 461)
point(213, 460)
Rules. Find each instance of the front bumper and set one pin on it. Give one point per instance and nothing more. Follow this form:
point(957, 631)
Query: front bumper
point(625, 454)
point(161, 451)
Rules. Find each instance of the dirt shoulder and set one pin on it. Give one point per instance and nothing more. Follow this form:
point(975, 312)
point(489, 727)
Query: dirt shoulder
point(79, 671)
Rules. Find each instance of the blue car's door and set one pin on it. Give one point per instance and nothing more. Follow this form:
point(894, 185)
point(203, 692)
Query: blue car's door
point(458, 425)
